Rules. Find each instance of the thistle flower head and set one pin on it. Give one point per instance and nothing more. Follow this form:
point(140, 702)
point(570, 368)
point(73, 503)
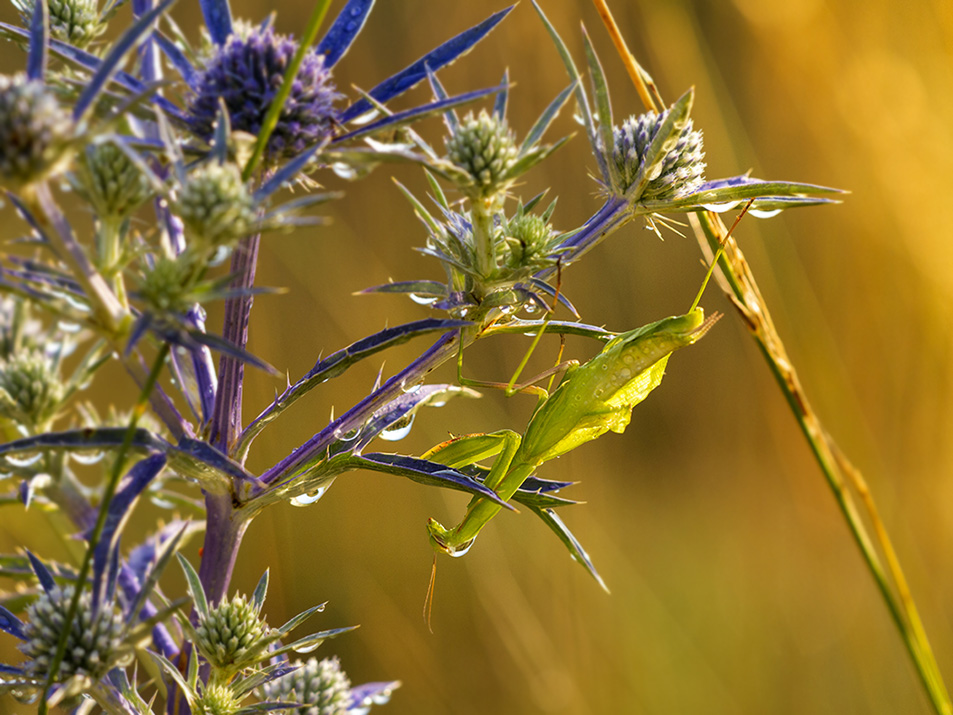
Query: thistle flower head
point(110, 181)
point(215, 205)
point(77, 22)
point(485, 148)
point(680, 171)
point(166, 286)
point(34, 131)
point(218, 699)
point(93, 644)
point(321, 685)
point(246, 72)
point(30, 387)
point(529, 242)
point(232, 636)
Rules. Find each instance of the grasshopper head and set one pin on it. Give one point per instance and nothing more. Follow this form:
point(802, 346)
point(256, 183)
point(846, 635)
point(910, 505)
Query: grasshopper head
point(442, 540)
point(693, 326)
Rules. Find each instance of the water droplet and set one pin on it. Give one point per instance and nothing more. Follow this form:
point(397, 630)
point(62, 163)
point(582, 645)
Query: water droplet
point(462, 550)
point(423, 299)
point(24, 459)
point(311, 497)
point(531, 308)
point(77, 303)
point(348, 436)
point(366, 118)
point(69, 327)
point(764, 213)
point(345, 171)
point(400, 429)
point(87, 456)
point(411, 386)
point(221, 255)
point(356, 11)
point(721, 208)
point(351, 26)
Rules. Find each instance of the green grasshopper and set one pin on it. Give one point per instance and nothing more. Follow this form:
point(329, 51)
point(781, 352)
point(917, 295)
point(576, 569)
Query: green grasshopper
point(591, 399)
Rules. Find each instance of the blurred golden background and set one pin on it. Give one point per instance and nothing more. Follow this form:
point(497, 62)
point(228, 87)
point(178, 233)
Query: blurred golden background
point(735, 585)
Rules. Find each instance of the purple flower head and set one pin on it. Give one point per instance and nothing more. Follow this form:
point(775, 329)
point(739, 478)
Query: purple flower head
point(680, 172)
point(246, 73)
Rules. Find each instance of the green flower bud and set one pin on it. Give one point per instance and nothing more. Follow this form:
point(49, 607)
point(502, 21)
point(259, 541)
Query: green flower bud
point(94, 639)
point(30, 388)
point(165, 287)
point(74, 21)
point(528, 239)
point(231, 637)
point(34, 131)
point(218, 699)
point(215, 205)
point(110, 181)
point(321, 684)
point(485, 148)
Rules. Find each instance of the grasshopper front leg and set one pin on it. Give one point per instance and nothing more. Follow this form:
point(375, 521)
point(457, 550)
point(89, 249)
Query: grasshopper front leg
point(502, 478)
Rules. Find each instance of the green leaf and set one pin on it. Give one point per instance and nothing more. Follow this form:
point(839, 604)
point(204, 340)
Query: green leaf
point(258, 598)
point(195, 587)
point(296, 621)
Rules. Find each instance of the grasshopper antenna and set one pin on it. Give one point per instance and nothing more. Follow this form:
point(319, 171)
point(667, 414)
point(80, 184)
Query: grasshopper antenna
point(428, 601)
point(718, 254)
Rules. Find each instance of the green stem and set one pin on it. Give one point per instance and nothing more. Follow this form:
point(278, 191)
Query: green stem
point(108, 494)
point(481, 218)
point(743, 291)
point(109, 248)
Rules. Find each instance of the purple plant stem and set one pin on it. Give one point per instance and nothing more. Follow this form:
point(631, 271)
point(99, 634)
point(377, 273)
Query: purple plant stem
point(223, 530)
point(227, 416)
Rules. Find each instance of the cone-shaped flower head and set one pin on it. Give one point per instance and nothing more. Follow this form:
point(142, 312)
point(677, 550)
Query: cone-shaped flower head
point(110, 181)
point(34, 131)
point(94, 639)
point(321, 684)
point(680, 172)
point(529, 242)
point(485, 148)
point(30, 388)
point(246, 73)
point(77, 22)
point(218, 699)
point(232, 635)
point(215, 204)
point(165, 287)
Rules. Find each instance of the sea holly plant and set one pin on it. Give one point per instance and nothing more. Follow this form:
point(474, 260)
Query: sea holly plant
point(207, 157)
